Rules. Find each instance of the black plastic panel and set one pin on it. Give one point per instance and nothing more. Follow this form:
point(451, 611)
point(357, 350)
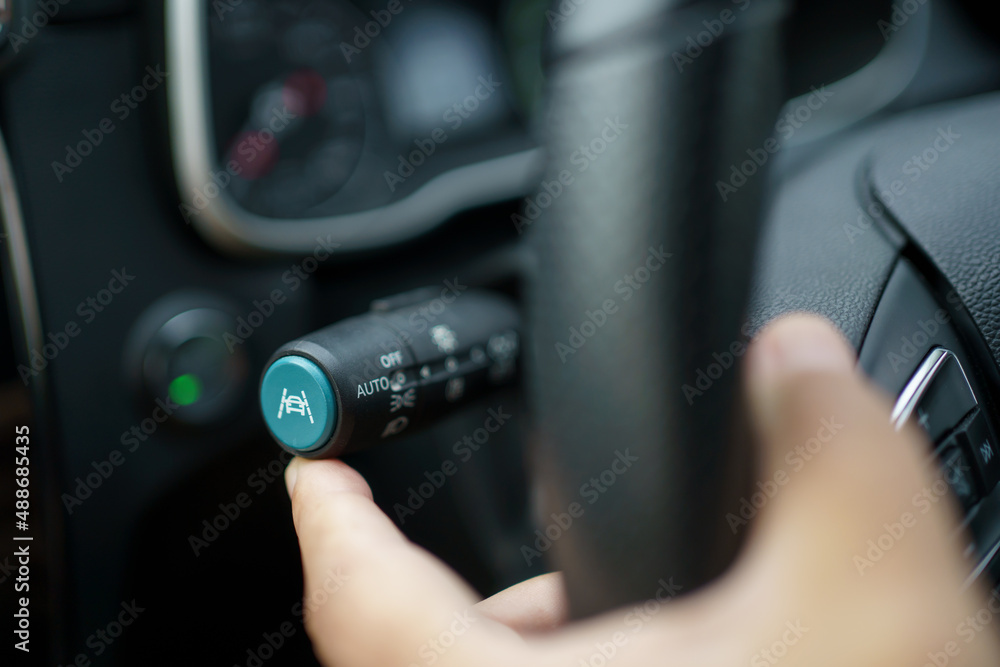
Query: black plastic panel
point(908, 324)
point(938, 177)
point(810, 257)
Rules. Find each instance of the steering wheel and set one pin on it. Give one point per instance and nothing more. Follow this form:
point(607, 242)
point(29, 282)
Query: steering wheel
point(641, 271)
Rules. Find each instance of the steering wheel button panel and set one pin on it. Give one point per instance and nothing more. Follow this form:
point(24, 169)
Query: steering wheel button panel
point(958, 471)
point(298, 403)
point(937, 397)
point(984, 450)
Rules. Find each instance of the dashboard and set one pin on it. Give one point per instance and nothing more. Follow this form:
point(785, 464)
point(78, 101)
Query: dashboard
point(186, 186)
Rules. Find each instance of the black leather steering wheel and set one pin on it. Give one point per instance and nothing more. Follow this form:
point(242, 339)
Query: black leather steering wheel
point(642, 268)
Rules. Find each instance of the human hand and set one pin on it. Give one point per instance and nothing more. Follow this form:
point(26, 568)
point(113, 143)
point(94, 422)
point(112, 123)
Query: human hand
point(803, 591)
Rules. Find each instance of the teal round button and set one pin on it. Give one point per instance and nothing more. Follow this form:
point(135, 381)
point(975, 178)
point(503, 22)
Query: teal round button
point(298, 403)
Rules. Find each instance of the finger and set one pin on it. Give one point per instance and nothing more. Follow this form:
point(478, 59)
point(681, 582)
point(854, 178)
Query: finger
point(833, 475)
point(850, 511)
point(390, 602)
point(825, 431)
point(536, 605)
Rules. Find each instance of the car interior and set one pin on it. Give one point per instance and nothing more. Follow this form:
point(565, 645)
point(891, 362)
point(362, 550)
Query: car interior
point(479, 248)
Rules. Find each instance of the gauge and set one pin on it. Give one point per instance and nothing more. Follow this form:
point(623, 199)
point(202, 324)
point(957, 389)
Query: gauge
point(303, 125)
point(377, 119)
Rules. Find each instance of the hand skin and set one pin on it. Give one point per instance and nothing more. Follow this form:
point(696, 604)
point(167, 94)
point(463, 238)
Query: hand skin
point(396, 605)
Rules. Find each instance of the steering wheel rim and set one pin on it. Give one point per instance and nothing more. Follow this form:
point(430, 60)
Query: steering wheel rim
point(641, 274)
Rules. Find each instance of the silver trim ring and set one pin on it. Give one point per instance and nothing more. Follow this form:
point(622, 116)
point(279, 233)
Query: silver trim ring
point(226, 225)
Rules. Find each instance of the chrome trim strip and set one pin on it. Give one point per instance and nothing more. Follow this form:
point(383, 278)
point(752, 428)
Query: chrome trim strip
point(981, 567)
point(907, 402)
point(19, 260)
point(919, 383)
point(232, 229)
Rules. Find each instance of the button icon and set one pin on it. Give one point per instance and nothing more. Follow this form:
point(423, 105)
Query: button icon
point(980, 444)
point(395, 426)
point(444, 338)
point(292, 404)
point(397, 381)
point(924, 419)
point(454, 389)
point(298, 403)
point(959, 475)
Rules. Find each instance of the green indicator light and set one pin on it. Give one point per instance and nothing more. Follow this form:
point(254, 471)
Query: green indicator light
point(185, 389)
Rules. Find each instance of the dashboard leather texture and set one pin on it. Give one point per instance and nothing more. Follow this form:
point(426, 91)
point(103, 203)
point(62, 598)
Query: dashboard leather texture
point(820, 252)
point(945, 161)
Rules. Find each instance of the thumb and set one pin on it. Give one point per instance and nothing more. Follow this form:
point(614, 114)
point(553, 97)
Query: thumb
point(855, 514)
point(372, 598)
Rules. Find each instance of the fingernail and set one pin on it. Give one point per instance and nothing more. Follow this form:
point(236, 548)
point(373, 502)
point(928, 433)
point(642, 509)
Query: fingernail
point(801, 344)
point(790, 346)
point(291, 473)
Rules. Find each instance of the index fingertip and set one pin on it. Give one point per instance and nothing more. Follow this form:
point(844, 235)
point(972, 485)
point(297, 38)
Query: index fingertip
point(291, 473)
point(326, 476)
